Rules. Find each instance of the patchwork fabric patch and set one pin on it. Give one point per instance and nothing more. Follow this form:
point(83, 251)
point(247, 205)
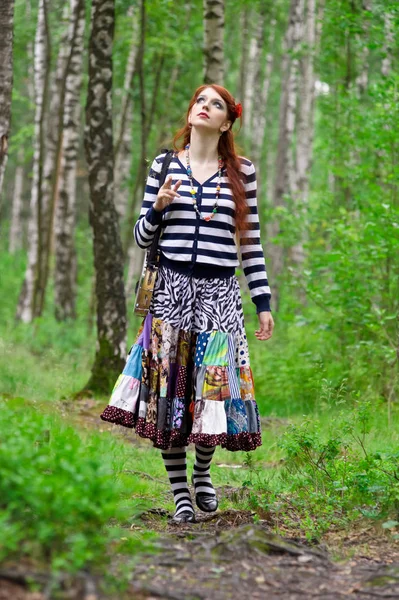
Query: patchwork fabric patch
point(209, 417)
point(143, 400)
point(173, 370)
point(133, 364)
point(156, 336)
point(216, 386)
point(162, 413)
point(181, 384)
point(169, 341)
point(252, 417)
point(236, 416)
point(242, 353)
point(246, 384)
point(234, 382)
point(217, 349)
point(126, 393)
point(199, 381)
point(183, 348)
point(178, 413)
point(202, 342)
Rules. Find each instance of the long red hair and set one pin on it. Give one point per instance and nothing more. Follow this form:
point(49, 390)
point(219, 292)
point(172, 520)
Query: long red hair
point(226, 148)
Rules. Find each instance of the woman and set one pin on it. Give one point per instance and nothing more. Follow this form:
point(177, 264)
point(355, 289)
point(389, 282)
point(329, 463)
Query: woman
point(187, 378)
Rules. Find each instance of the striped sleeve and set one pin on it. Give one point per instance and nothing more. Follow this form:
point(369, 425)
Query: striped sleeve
point(149, 219)
point(252, 256)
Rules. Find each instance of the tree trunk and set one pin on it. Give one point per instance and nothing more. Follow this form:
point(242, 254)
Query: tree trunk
point(388, 44)
point(6, 38)
point(15, 239)
point(123, 146)
point(262, 96)
point(253, 68)
point(244, 26)
point(27, 303)
point(108, 257)
point(305, 127)
point(284, 160)
point(52, 165)
point(213, 41)
point(65, 215)
point(363, 40)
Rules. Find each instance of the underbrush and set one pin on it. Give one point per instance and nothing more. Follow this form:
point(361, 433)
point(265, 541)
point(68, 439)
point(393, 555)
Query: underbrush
point(63, 494)
point(332, 474)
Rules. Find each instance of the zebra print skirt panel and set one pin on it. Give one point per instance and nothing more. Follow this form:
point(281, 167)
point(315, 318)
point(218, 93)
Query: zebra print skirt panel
point(198, 304)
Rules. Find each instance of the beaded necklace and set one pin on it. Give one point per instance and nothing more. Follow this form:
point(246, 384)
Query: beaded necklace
point(193, 192)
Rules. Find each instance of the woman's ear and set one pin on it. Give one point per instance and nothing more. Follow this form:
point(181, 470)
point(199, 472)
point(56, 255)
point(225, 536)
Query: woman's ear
point(225, 126)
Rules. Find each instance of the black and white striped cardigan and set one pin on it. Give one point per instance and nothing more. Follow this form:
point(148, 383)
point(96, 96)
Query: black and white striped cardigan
point(188, 239)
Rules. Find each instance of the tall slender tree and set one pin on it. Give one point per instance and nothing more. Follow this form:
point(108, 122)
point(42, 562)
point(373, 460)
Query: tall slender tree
point(6, 37)
point(108, 256)
point(123, 141)
point(285, 172)
point(27, 303)
point(15, 239)
point(65, 210)
point(213, 41)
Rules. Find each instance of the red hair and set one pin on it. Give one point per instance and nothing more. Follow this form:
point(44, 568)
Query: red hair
point(226, 148)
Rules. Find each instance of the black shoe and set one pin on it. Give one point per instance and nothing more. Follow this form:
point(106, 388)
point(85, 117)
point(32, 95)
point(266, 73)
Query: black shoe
point(205, 502)
point(186, 516)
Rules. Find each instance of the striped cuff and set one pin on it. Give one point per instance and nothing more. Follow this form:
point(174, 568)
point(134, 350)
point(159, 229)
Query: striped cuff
point(154, 217)
point(262, 303)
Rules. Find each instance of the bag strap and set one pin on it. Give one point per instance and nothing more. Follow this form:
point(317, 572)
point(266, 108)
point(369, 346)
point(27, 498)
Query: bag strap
point(153, 251)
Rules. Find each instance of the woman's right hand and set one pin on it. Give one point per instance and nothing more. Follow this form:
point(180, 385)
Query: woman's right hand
point(167, 193)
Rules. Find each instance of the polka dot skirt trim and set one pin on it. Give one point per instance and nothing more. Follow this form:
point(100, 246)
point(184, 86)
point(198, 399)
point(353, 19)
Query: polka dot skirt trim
point(165, 439)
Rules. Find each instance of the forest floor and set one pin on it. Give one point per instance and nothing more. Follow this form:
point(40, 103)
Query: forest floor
point(233, 554)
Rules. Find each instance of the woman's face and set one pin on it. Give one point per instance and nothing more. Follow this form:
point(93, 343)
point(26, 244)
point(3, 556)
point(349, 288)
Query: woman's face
point(209, 111)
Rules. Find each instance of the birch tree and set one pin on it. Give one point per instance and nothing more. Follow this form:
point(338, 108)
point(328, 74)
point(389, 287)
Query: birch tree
point(388, 44)
point(108, 258)
point(213, 41)
point(123, 145)
point(27, 303)
point(15, 239)
point(53, 155)
point(65, 215)
point(6, 38)
point(262, 85)
point(285, 171)
point(305, 126)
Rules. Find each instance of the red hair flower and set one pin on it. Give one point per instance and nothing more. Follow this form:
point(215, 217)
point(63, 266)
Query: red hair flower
point(238, 109)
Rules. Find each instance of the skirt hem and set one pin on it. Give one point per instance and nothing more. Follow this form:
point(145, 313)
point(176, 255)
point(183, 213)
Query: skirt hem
point(165, 439)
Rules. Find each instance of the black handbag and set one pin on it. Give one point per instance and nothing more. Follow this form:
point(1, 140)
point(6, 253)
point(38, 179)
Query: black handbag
point(145, 285)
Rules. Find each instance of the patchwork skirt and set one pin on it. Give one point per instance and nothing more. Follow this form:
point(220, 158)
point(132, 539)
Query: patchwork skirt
point(187, 378)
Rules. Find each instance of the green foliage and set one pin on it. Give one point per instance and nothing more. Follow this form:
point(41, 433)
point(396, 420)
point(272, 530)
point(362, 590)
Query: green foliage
point(59, 492)
point(332, 475)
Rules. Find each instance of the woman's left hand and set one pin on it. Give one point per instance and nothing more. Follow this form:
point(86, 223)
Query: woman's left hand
point(266, 324)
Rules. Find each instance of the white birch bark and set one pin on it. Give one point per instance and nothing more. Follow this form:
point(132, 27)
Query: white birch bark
point(65, 215)
point(285, 173)
point(262, 96)
point(123, 146)
point(108, 256)
point(363, 77)
point(386, 65)
point(244, 28)
point(16, 228)
point(6, 79)
point(213, 41)
point(305, 126)
point(251, 67)
point(27, 299)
